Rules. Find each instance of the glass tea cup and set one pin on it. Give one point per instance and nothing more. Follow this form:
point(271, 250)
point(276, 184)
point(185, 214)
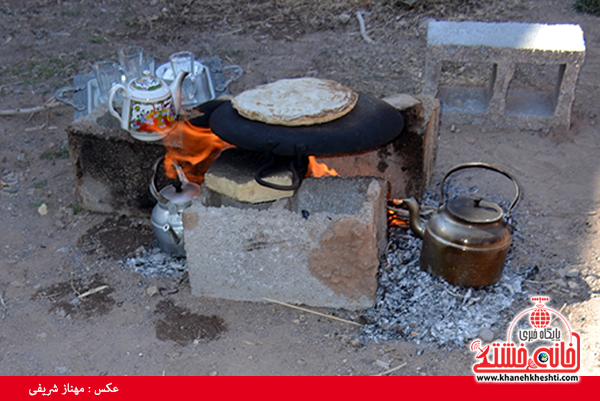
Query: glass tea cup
point(107, 72)
point(184, 61)
point(130, 58)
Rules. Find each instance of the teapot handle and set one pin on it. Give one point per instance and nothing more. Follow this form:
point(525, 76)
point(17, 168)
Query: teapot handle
point(111, 107)
point(489, 167)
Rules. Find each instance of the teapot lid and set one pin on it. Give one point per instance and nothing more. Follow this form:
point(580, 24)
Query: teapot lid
point(181, 193)
point(474, 209)
point(148, 83)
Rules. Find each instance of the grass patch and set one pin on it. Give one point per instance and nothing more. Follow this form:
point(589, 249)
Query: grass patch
point(40, 184)
point(55, 153)
point(36, 204)
point(588, 6)
point(77, 208)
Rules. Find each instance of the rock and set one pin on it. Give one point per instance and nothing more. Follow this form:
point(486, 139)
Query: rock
point(344, 18)
point(43, 209)
point(486, 334)
point(572, 273)
point(152, 290)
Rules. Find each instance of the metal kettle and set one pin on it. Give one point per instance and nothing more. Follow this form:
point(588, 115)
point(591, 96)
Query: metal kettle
point(467, 239)
point(167, 222)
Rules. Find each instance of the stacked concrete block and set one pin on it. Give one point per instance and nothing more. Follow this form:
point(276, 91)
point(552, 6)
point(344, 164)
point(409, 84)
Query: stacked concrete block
point(503, 47)
point(112, 169)
point(319, 248)
point(406, 163)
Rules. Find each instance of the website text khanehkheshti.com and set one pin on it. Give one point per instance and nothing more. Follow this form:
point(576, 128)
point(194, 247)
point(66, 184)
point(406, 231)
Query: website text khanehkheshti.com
point(527, 377)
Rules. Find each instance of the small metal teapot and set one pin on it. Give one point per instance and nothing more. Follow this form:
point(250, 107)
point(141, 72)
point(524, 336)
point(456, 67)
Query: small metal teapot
point(466, 241)
point(150, 106)
point(167, 222)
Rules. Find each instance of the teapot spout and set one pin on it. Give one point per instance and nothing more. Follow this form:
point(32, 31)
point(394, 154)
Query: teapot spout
point(176, 91)
point(416, 224)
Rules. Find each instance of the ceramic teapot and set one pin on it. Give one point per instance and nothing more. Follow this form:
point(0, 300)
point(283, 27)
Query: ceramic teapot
point(466, 241)
point(150, 106)
point(167, 221)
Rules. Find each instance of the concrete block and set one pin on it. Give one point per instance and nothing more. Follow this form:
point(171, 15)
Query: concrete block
point(319, 248)
point(503, 48)
point(407, 162)
point(232, 174)
point(112, 169)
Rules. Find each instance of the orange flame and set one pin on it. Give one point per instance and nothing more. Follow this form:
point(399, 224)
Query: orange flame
point(316, 169)
point(193, 149)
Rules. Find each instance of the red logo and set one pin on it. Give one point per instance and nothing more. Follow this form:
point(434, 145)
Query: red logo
point(548, 346)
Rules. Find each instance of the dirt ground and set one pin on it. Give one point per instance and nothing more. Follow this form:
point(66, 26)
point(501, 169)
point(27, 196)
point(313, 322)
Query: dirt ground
point(52, 252)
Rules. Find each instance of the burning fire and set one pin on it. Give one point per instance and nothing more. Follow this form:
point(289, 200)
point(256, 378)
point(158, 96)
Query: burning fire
point(193, 149)
point(316, 169)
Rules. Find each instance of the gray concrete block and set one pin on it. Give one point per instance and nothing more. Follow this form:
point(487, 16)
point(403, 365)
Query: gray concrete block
point(505, 47)
point(407, 162)
point(112, 169)
point(318, 248)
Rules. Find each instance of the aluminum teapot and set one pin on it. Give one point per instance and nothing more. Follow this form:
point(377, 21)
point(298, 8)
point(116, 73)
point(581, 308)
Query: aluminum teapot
point(466, 241)
point(167, 222)
point(150, 106)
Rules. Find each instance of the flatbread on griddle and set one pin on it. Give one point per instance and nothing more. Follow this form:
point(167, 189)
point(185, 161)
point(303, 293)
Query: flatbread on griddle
point(295, 102)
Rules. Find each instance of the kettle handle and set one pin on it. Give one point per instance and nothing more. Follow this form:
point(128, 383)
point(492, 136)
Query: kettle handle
point(153, 190)
point(489, 167)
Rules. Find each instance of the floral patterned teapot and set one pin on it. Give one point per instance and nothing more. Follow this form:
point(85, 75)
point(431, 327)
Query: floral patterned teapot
point(150, 106)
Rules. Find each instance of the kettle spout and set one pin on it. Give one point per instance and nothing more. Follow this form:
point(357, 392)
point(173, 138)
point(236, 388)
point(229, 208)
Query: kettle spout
point(176, 90)
point(416, 224)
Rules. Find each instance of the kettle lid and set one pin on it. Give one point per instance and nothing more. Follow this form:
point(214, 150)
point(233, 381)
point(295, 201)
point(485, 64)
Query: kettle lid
point(181, 193)
point(474, 209)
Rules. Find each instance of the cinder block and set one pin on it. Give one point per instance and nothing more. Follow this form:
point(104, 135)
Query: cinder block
point(318, 248)
point(407, 162)
point(504, 47)
point(112, 169)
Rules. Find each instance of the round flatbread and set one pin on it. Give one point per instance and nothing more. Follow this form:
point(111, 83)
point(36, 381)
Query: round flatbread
point(295, 102)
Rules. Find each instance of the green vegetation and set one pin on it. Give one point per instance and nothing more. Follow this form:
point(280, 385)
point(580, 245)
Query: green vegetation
point(55, 153)
point(588, 6)
point(40, 184)
point(77, 208)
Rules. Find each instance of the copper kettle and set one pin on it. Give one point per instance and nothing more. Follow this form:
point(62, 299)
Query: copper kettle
point(467, 239)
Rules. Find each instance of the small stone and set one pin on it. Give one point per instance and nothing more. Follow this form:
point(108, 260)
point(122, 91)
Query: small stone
point(344, 18)
point(213, 373)
point(301, 362)
point(573, 273)
point(43, 209)
point(469, 140)
point(573, 285)
point(42, 336)
point(152, 290)
point(355, 343)
point(561, 283)
point(486, 334)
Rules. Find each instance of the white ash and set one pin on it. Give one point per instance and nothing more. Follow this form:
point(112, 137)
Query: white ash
point(152, 262)
point(413, 305)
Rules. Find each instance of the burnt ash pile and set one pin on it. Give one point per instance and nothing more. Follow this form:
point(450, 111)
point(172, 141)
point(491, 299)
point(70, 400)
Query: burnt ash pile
point(410, 303)
point(413, 305)
point(152, 262)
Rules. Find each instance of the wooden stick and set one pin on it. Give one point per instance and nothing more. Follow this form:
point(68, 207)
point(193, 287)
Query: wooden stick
point(93, 291)
point(12, 112)
point(313, 312)
point(392, 370)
